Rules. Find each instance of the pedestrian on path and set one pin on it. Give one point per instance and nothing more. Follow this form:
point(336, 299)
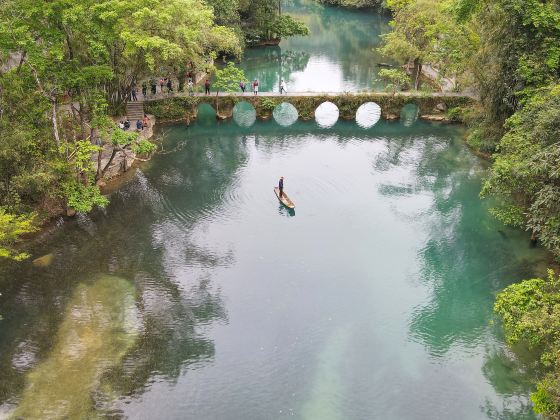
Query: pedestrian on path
point(144, 89)
point(133, 93)
point(190, 87)
point(207, 87)
point(242, 86)
point(169, 86)
point(145, 122)
point(256, 87)
point(161, 84)
point(153, 86)
point(283, 87)
point(139, 125)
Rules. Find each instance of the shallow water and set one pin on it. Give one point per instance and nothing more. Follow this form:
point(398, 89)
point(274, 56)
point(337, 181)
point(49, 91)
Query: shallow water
point(372, 300)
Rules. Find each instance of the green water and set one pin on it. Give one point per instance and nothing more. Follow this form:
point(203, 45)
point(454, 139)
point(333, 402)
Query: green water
point(196, 295)
point(338, 55)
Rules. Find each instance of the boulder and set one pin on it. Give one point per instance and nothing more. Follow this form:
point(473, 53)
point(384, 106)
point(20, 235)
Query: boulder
point(441, 107)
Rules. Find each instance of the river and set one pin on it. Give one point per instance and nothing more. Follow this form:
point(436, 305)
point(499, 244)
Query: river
point(196, 295)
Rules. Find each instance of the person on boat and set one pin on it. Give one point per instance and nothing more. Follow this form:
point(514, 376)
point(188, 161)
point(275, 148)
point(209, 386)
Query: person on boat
point(281, 187)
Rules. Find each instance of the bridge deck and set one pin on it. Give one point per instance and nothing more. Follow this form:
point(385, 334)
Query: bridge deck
point(160, 96)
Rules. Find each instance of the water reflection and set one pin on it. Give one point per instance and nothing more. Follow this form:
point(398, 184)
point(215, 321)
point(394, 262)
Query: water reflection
point(368, 114)
point(244, 114)
point(285, 114)
point(233, 302)
point(409, 114)
point(339, 54)
point(326, 115)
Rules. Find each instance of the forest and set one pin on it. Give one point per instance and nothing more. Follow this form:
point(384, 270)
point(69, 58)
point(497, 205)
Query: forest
point(66, 67)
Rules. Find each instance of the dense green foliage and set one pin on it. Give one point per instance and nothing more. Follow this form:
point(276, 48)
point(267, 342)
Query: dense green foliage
point(531, 315)
point(507, 52)
point(66, 66)
point(396, 79)
point(257, 21)
point(358, 4)
point(229, 78)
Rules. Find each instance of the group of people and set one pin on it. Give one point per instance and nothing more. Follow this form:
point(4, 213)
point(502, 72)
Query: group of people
point(140, 124)
point(243, 86)
point(166, 86)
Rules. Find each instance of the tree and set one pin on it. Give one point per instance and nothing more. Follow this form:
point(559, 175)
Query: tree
point(228, 78)
point(396, 78)
point(11, 228)
point(525, 176)
point(426, 31)
point(530, 312)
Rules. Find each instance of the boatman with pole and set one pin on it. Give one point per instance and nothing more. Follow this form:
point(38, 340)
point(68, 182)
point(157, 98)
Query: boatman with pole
point(281, 187)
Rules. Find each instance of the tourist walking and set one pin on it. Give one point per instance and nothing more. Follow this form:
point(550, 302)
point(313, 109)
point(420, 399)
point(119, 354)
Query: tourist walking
point(256, 87)
point(133, 93)
point(169, 86)
point(153, 85)
point(242, 86)
point(283, 87)
point(207, 87)
point(144, 89)
point(139, 125)
point(190, 87)
point(161, 84)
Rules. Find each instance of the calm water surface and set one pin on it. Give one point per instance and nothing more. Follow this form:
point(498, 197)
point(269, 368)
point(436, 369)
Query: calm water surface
point(196, 295)
point(338, 55)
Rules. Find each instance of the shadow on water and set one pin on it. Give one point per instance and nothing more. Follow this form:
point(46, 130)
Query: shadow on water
point(284, 211)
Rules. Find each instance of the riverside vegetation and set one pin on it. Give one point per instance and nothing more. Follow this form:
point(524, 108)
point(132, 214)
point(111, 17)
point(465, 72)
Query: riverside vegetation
point(507, 51)
point(88, 55)
point(66, 68)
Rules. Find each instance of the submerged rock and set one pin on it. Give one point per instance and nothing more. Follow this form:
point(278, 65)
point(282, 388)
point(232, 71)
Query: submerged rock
point(44, 261)
point(99, 327)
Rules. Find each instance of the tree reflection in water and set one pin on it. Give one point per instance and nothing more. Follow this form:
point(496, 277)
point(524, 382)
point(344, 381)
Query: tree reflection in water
point(150, 247)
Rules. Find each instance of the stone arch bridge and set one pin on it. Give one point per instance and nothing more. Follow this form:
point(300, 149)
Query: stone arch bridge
point(431, 106)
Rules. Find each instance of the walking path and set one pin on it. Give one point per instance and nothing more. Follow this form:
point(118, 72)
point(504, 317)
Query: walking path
point(160, 96)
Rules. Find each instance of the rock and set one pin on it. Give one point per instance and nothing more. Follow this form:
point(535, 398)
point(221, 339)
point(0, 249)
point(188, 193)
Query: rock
point(43, 261)
point(441, 107)
point(70, 212)
point(429, 117)
point(391, 117)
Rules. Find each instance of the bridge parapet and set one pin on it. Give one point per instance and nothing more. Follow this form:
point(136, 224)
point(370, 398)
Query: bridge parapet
point(430, 105)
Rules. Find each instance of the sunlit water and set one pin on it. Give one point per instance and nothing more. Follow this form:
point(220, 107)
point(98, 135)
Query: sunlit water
point(339, 55)
point(196, 295)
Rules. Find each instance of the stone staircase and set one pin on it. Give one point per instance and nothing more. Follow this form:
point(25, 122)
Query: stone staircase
point(135, 111)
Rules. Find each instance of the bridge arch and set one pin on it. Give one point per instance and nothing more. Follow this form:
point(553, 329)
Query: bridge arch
point(244, 114)
point(368, 114)
point(326, 114)
point(285, 114)
point(409, 114)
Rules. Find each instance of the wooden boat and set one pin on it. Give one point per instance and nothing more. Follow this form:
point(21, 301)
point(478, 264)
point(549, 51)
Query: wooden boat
point(285, 199)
